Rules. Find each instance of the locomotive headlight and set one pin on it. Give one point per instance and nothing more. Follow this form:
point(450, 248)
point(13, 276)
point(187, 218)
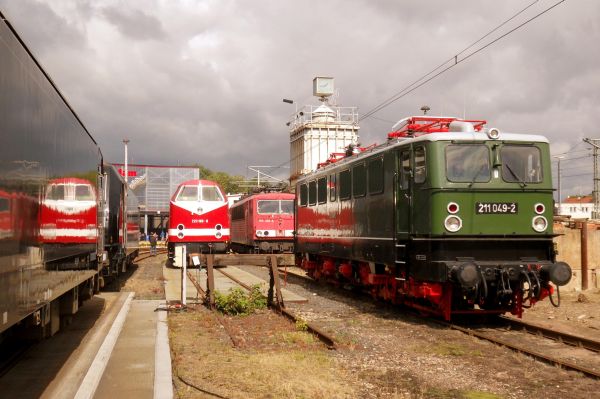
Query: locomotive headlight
point(180, 235)
point(452, 207)
point(453, 223)
point(180, 226)
point(259, 233)
point(539, 223)
point(493, 133)
point(218, 234)
point(539, 208)
point(218, 227)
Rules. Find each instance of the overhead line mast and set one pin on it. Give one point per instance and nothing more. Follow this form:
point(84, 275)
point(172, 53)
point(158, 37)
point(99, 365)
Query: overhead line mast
point(596, 144)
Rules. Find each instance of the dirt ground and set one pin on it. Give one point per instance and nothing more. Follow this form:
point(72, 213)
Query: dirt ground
point(145, 278)
point(384, 352)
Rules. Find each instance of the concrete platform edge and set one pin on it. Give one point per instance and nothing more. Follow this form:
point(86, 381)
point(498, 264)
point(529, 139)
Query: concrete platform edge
point(92, 378)
point(163, 379)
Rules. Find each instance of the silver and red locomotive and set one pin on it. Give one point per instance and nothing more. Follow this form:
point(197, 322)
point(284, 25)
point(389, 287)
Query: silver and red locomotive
point(263, 223)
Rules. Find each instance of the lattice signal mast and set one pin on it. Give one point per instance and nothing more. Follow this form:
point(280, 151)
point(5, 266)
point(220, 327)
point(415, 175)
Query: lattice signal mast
point(595, 194)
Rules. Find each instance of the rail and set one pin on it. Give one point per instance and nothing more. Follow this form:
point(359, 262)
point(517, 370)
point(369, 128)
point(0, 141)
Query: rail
point(588, 372)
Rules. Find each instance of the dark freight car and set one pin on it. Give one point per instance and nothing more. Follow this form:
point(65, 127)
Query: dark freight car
point(48, 181)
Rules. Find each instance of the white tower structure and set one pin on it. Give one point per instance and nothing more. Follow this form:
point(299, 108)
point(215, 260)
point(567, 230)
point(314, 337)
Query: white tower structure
point(316, 132)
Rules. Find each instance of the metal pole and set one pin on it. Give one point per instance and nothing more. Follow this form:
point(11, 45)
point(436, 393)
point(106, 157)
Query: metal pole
point(584, 256)
point(595, 193)
point(559, 196)
point(183, 276)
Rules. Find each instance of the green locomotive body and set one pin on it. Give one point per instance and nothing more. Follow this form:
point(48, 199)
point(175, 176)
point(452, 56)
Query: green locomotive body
point(446, 217)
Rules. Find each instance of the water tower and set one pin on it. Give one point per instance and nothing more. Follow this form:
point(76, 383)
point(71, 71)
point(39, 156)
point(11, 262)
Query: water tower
point(318, 131)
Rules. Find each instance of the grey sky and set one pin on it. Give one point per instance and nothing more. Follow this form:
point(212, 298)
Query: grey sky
point(202, 81)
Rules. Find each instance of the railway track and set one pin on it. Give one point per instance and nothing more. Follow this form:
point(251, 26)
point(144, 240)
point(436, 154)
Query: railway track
point(146, 254)
point(521, 326)
point(539, 331)
point(319, 333)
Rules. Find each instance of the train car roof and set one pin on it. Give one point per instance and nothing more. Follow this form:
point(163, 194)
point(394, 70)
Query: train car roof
point(264, 196)
point(199, 182)
point(442, 136)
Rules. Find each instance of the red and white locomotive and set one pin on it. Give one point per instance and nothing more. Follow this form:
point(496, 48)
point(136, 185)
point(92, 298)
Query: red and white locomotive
point(263, 223)
point(68, 214)
point(199, 219)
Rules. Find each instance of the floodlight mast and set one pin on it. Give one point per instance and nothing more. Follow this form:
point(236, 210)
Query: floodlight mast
point(595, 194)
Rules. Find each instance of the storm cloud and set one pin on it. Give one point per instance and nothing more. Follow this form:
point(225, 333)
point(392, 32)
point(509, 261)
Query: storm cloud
point(202, 81)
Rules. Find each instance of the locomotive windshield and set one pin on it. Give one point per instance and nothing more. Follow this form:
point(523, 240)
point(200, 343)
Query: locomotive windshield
point(521, 164)
point(84, 193)
point(188, 193)
point(275, 206)
point(468, 163)
point(211, 193)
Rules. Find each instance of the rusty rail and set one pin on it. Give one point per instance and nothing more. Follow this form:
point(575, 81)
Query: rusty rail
point(526, 351)
point(563, 337)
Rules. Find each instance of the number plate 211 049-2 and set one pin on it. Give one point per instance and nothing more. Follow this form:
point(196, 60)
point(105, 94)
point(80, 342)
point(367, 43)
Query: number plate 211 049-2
point(496, 207)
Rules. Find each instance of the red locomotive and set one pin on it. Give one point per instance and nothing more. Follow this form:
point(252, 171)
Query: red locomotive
point(199, 219)
point(263, 223)
point(68, 214)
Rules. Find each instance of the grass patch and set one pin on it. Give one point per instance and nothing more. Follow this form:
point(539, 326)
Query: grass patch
point(240, 302)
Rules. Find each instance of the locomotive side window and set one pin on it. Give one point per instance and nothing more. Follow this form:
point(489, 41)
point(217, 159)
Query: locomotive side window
point(332, 188)
point(188, 193)
point(322, 190)
point(312, 193)
point(468, 163)
point(211, 193)
point(303, 195)
point(420, 165)
point(521, 164)
point(4, 205)
point(404, 169)
point(375, 172)
point(359, 180)
point(345, 184)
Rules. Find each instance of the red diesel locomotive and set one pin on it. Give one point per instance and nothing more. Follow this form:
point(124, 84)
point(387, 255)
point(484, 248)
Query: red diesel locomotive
point(199, 219)
point(263, 223)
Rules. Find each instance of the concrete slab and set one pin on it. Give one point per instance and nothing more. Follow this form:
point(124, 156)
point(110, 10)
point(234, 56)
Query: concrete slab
point(130, 370)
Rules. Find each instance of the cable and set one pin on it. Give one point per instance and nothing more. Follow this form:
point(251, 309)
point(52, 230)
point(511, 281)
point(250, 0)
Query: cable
point(406, 90)
point(369, 113)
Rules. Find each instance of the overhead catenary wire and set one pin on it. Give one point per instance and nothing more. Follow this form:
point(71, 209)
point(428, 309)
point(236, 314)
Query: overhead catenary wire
point(409, 89)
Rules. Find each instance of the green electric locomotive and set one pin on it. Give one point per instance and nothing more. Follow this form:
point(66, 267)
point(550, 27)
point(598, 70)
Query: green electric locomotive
point(447, 216)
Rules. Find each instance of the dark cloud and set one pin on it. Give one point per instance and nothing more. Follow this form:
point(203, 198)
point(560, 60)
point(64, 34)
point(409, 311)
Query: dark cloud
point(202, 81)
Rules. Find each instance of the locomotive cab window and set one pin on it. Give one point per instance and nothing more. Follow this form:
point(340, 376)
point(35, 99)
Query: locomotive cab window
point(345, 184)
point(521, 164)
point(420, 165)
point(322, 190)
point(211, 193)
point(268, 206)
point(468, 163)
point(312, 193)
point(359, 180)
point(303, 195)
point(332, 188)
point(188, 193)
point(375, 176)
point(287, 207)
